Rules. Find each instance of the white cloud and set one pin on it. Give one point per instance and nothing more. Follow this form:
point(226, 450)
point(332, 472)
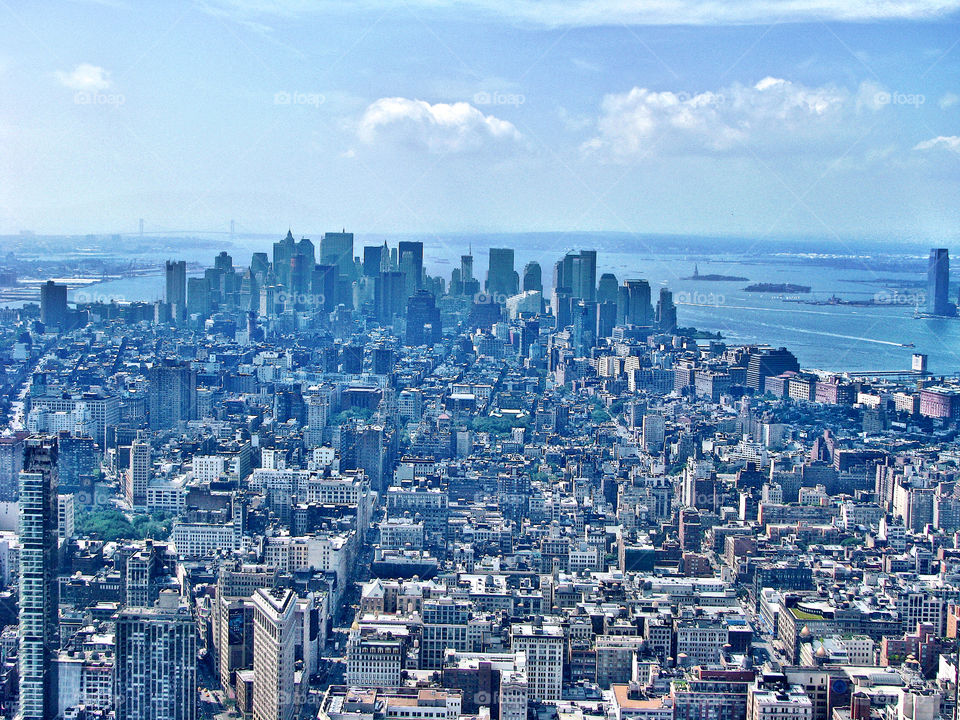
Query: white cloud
point(85, 77)
point(577, 13)
point(772, 114)
point(948, 100)
point(437, 128)
point(950, 143)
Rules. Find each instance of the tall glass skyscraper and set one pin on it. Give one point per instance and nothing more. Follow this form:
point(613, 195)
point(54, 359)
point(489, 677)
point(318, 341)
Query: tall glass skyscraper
point(938, 282)
point(38, 579)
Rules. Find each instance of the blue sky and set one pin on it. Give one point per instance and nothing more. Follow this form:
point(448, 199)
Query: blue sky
point(668, 116)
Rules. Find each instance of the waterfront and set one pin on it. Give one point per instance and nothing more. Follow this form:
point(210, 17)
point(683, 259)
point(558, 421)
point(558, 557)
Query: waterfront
point(828, 337)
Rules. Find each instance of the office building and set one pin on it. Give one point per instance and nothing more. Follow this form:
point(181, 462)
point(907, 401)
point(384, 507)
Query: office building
point(336, 248)
point(176, 277)
point(274, 615)
point(38, 629)
point(633, 304)
point(53, 305)
point(423, 320)
point(156, 661)
point(938, 282)
point(410, 255)
point(532, 277)
point(577, 272)
point(11, 463)
point(172, 394)
point(542, 645)
point(502, 279)
point(138, 474)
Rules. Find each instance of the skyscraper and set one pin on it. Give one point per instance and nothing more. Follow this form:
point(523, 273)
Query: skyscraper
point(607, 288)
point(138, 474)
point(373, 259)
point(336, 248)
point(410, 254)
point(502, 279)
point(577, 272)
point(38, 579)
point(423, 320)
point(176, 272)
point(172, 394)
point(938, 282)
point(532, 277)
point(633, 303)
point(156, 661)
point(666, 311)
point(388, 295)
point(53, 304)
point(274, 615)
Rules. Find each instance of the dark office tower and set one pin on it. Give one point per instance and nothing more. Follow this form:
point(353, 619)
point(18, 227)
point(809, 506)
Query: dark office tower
point(578, 273)
point(260, 265)
point(351, 359)
point(388, 295)
point(633, 303)
point(666, 311)
point(330, 359)
point(373, 260)
point(532, 277)
point(38, 631)
point(78, 461)
point(456, 284)
point(11, 463)
point(561, 306)
point(305, 249)
point(606, 319)
point(371, 455)
point(584, 322)
point(423, 320)
point(938, 282)
point(410, 254)
point(283, 251)
point(155, 662)
point(466, 268)
point(383, 360)
point(223, 262)
point(336, 248)
point(198, 296)
point(177, 284)
point(53, 304)
point(502, 279)
point(607, 288)
point(324, 285)
point(172, 394)
point(300, 277)
point(585, 280)
point(529, 334)
point(768, 363)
